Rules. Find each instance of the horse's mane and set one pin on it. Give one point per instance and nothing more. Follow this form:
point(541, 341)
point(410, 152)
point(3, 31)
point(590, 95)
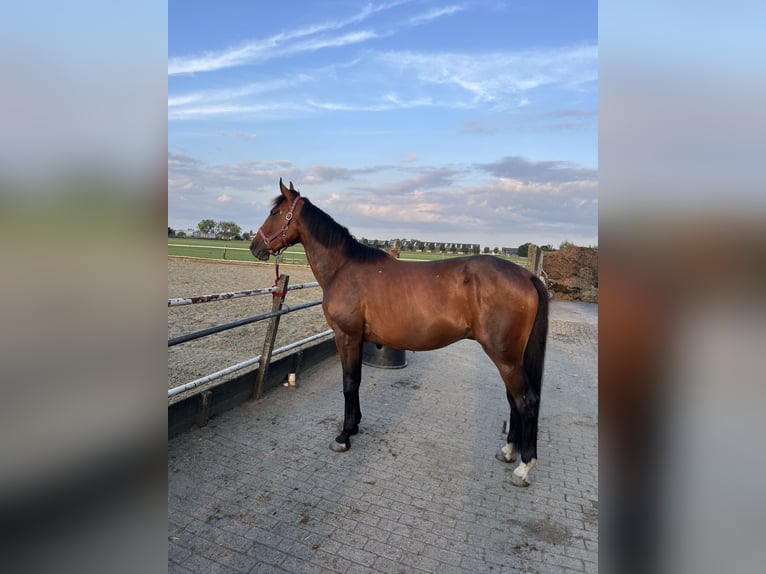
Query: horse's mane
point(332, 234)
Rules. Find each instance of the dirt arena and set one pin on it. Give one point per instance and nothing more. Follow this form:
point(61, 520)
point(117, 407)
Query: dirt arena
point(188, 278)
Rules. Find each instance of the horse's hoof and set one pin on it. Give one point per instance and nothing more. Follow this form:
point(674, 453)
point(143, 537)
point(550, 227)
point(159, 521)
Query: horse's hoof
point(506, 454)
point(520, 476)
point(517, 480)
point(501, 457)
point(340, 446)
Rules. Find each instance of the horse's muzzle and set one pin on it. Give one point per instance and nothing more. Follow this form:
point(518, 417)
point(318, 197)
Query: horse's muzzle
point(259, 249)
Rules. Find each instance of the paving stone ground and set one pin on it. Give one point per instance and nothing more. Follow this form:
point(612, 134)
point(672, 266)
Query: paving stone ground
point(258, 489)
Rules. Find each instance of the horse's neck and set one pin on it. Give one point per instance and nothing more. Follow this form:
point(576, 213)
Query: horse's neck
point(324, 261)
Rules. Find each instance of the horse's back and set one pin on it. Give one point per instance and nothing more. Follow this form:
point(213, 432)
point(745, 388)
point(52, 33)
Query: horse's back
point(494, 275)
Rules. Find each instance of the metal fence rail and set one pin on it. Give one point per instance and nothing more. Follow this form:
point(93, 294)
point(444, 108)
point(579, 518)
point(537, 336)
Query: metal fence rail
point(239, 323)
point(244, 364)
point(178, 301)
point(264, 358)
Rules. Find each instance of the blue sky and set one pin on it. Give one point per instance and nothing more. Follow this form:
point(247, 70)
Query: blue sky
point(442, 121)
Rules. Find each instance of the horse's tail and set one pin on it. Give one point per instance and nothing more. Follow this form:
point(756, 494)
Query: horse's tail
point(534, 354)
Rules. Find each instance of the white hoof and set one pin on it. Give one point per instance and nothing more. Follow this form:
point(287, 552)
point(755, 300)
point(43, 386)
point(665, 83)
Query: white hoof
point(520, 476)
point(507, 453)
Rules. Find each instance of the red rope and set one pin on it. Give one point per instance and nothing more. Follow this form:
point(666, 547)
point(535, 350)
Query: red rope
point(276, 280)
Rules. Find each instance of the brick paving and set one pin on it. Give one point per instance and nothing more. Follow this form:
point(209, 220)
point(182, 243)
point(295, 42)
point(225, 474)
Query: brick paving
point(258, 489)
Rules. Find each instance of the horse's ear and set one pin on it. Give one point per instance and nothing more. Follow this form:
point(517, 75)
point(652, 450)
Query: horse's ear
point(291, 186)
point(283, 189)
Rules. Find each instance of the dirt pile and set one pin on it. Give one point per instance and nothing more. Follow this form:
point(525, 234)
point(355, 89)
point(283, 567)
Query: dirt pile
point(571, 273)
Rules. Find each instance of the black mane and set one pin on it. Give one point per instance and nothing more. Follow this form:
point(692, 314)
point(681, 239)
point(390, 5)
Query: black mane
point(332, 234)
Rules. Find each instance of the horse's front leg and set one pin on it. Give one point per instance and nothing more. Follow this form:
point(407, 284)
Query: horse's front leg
point(350, 351)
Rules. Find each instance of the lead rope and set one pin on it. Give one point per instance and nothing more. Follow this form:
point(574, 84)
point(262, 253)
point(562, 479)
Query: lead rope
point(276, 294)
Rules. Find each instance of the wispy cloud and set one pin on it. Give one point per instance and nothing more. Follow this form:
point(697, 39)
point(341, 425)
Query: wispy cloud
point(385, 103)
point(233, 93)
point(281, 44)
point(521, 169)
point(307, 39)
point(265, 110)
point(236, 134)
point(494, 76)
point(434, 14)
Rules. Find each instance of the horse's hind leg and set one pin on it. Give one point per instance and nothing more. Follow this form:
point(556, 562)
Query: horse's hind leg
point(350, 351)
point(525, 407)
point(508, 452)
point(529, 410)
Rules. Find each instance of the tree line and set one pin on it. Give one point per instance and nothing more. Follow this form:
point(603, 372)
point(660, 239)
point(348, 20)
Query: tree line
point(220, 229)
point(229, 230)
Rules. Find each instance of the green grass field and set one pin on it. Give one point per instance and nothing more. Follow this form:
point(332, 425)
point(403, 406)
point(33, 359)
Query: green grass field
point(238, 251)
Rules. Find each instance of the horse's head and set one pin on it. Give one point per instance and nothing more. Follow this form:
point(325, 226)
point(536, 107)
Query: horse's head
point(278, 231)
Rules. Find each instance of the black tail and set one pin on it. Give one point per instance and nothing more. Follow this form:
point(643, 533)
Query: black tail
point(534, 354)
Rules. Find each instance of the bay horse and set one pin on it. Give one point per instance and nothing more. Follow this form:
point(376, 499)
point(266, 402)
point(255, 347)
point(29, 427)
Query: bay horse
point(420, 306)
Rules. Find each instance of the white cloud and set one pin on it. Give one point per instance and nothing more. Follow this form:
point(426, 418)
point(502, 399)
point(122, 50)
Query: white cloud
point(494, 76)
point(223, 197)
point(278, 45)
point(434, 14)
point(307, 39)
point(236, 134)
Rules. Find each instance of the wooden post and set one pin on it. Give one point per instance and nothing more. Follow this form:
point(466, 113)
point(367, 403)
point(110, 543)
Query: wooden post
point(203, 408)
point(535, 259)
point(271, 336)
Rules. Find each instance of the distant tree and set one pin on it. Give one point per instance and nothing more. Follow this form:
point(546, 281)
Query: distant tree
point(246, 236)
point(227, 229)
point(547, 247)
point(206, 226)
point(486, 250)
point(376, 243)
point(566, 243)
point(442, 247)
point(496, 250)
point(180, 234)
point(476, 249)
point(453, 249)
point(524, 249)
point(171, 231)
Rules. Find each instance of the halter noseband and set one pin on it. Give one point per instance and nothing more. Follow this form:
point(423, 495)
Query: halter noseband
point(282, 232)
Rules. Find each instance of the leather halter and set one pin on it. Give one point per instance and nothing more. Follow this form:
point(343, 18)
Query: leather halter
point(282, 232)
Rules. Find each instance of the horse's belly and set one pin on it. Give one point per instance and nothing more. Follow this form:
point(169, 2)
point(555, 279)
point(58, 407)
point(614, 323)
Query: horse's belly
point(418, 335)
